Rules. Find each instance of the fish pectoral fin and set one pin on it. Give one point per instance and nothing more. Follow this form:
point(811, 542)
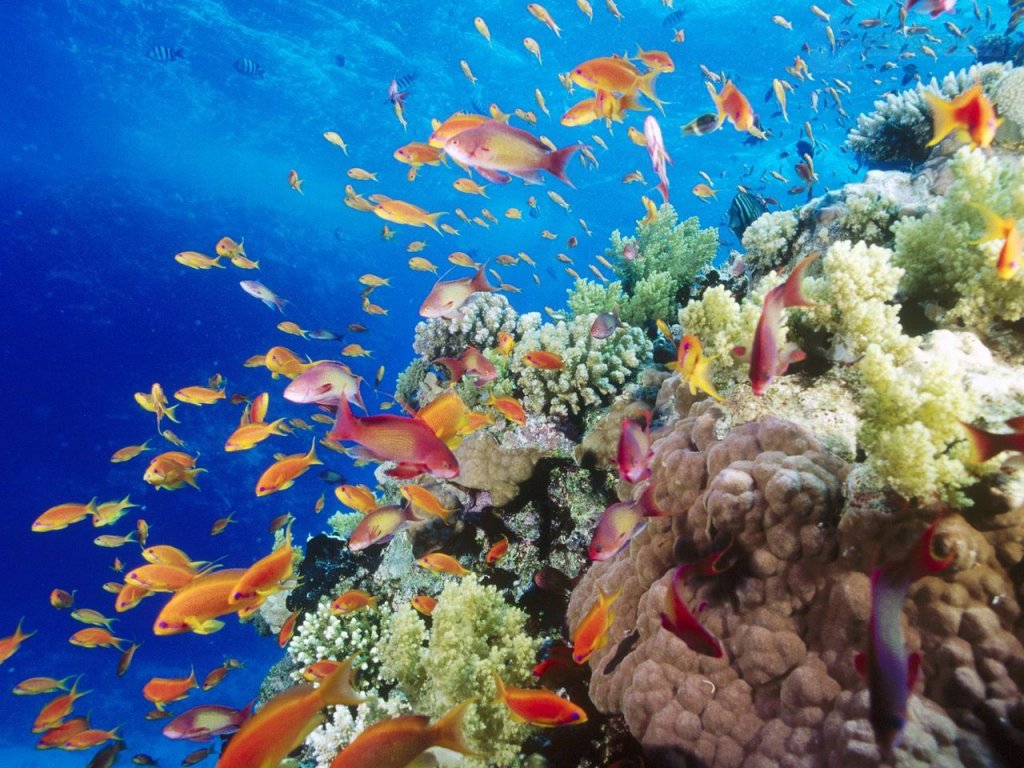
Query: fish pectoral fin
point(405, 471)
point(860, 662)
point(203, 627)
point(913, 669)
point(494, 176)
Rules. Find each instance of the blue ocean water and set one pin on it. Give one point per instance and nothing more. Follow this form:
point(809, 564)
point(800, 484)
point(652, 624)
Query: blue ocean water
point(112, 162)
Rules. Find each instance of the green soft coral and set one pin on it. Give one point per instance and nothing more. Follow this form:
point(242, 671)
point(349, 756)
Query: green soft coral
point(669, 256)
point(473, 632)
point(910, 424)
point(594, 371)
point(854, 299)
point(943, 262)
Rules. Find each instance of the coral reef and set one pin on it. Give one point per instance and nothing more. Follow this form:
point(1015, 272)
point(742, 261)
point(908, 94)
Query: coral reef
point(897, 131)
point(791, 612)
point(473, 632)
point(593, 371)
point(323, 635)
point(767, 240)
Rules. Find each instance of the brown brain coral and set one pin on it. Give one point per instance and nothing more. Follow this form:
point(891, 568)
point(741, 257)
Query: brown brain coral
point(793, 611)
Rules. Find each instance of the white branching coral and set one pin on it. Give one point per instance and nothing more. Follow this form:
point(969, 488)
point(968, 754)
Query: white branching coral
point(594, 371)
point(324, 743)
point(768, 238)
point(322, 635)
point(482, 318)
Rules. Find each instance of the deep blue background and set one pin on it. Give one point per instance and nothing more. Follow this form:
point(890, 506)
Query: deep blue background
point(110, 163)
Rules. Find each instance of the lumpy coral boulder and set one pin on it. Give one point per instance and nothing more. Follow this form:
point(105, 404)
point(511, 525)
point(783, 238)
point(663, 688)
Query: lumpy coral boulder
point(792, 611)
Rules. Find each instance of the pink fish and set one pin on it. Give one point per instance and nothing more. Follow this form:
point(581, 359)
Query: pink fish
point(604, 325)
point(205, 722)
point(891, 673)
point(380, 525)
point(656, 149)
point(326, 383)
point(985, 445)
point(618, 524)
point(677, 618)
point(934, 7)
point(471, 361)
point(634, 454)
point(264, 294)
point(766, 359)
point(447, 297)
point(409, 442)
point(496, 149)
point(629, 251)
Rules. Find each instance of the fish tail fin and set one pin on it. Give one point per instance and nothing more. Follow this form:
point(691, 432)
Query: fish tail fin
point(344, 422)
point(499, 684)
point(922, 560)
point(479, 281)
point(278, 302)
point(337, 688)
point(944, 120)
point(719, 110)
point(448, 731)
point(169, 413)
point(984, 445)
point(630, 101)
point(311, 456)
point(558, 160)
point(791, 293)
point(995, 225)
point(646, 86)
point(432, 220)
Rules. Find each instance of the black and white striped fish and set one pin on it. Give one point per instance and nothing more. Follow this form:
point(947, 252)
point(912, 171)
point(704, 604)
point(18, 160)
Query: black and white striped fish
point(163, 53)
point(248, 67)
point(744, 209)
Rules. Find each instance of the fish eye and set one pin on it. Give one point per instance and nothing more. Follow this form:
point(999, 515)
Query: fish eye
point(163, 624)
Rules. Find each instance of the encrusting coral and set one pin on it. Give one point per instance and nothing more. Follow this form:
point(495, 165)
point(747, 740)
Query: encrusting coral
point(791, 612)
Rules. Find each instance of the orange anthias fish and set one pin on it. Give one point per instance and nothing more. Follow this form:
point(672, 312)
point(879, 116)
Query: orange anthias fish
point(94, 637)
point(548, 361)
point(172, 470)
point(497, 150)
point(693, 366)
point(971, 114)
point(420, 498)
point(264, 577)
point(399, 212)
point(62, 515)
point(56, 736)
point(611, 74)
point(472, 361)
point(617, 526)
point(497, 551)
point(165, 690)
point(199, 395)
point(457, 123)
point(352, 601)
point(36, 685)
point(734, 106)
point(357, 497)
point(197, 606)
point(398, 741)
point(592, 631)
point(425, 604)
point(1002, 228)
point(380, 525)
point(282, 474)
point(408, 441)
point(54, 712)
point(248, 435)
point(439, 562)
point(284, 722)
point(294, 181)
point(509, 407)
point(129, 452)
point(538, 706)
point(447, 297)
point(9, 645)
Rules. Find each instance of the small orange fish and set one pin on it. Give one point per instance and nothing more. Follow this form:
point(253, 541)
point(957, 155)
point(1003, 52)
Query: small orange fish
point(352, 601)
point(548, 361)
point(221, 523)
point(281, 475)
point(36, 685)
point(439, 562)
point(319, 670)
point(294, 181)
point(61, 599)
point(265, 576)
point(165, 690)
point(197, 606)
point(734, 106)
point(54, 712)
point(425, 604)
point(497, 550)
point(1002, 228)
point(538, 706)
point(592, 631)
point(199, 395)
point(509, 407)
point(9, 645)
point(284, 635)
point(126, 658)
point(95, 637)
point(420, 498)
point(62, 515)
point(357, 497)
point(129, 452)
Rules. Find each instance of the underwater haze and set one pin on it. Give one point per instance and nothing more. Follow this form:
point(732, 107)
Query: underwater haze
point(135, 132)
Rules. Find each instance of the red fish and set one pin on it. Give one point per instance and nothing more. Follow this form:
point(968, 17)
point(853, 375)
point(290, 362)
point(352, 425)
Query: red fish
point(634, 453)
point(890, 672)
point(592, 631)
point(617, 526)
point(656, 149)
point(546, 361)
point(409, 442)
point(473, 361)
point(497, 550)
point(986, 445)
point(679, 621)
point(326, 383)
point(766, 359)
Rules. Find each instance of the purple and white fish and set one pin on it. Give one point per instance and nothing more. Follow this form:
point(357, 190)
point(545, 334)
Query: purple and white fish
point(264, 294)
